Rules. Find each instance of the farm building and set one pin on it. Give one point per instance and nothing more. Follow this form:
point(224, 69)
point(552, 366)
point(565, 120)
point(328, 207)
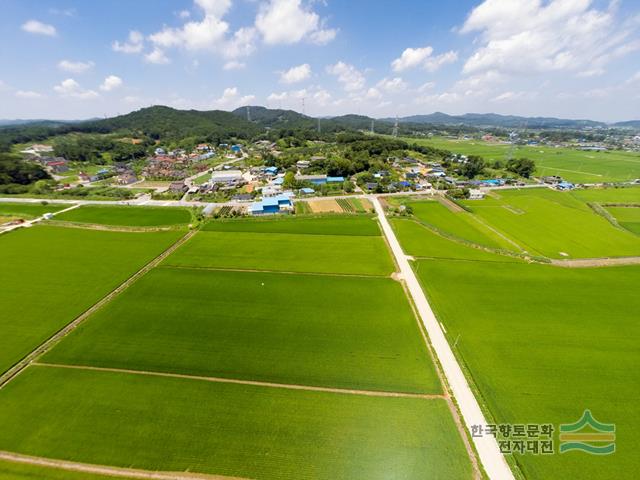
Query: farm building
point(315, 179)
point(228, 176)
point(271, 205)
point(476, 194)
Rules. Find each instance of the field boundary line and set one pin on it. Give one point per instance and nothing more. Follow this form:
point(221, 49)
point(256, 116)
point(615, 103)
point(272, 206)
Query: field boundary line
point(109, 471)
point(255, 383)
point(254, 270)
point(69, 327)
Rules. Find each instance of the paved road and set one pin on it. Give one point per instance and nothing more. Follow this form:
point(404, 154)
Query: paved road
point(487, 446)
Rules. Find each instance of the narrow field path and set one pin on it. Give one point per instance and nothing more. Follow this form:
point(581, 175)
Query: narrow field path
point(284, 272)
point(108, 470)
point(54, 339)
point(596, 262)
point(256, 383)
point(491, 458)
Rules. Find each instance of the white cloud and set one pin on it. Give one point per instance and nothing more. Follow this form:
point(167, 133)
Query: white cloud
point(392, 85)
point(157, 56)
point(28, 94)
point(426, 86)
point(184, 14)
point(532, 36)
point(111, 83)
point(231, 99)
point(422, 57)
point(135, 43)
point(322, 97)
point(433, 64)
point(410, 58)
point(288, 21)
point(277, 97)
point(373, 93)
point(234, 65)
point(75, 67)
point(211, 33)
point(296, 74)
point(39, 28)
point(71, 88)
point(349, 76)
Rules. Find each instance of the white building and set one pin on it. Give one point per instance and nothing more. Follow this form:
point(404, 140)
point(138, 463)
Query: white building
point(226, 176)
point(476, 194)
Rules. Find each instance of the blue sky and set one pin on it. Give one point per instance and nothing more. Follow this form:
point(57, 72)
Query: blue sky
point(79, 59)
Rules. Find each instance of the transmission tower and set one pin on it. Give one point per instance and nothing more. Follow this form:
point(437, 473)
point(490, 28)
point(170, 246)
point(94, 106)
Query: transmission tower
point(319, 129)
point(373, 130)
point(395, 128)
point(303, 109)
point(248, 113)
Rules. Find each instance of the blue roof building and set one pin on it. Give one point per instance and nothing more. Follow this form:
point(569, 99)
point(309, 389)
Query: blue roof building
point(307, 191)
point(271, 170)
point(278, 181)
point(271, 205)
point(335, 179)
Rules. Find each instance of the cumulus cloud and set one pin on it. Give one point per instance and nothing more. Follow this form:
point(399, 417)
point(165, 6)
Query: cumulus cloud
point(392, 85)
point(38, 28)
point(349, 76)
point(210, 33)
point(532, 36)
point(28, 94)
point(422, 57)
point(157, 57)
point(134, 44)
point(71, 88)
point(288, 21)
point(231, 99)
point(75, 67)
point(111, 83)
point(296, 74)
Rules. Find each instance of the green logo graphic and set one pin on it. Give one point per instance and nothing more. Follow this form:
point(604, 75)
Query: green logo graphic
point(588, 435)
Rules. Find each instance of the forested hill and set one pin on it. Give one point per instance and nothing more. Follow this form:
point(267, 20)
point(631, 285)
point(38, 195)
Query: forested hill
point(161, 122)
point(156, 123)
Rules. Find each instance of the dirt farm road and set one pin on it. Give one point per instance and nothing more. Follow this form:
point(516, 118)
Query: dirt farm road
point(491, 458)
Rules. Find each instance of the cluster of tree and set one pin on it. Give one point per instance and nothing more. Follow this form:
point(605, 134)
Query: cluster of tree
point(15, 171)
point(523, 167)
point(85, 148)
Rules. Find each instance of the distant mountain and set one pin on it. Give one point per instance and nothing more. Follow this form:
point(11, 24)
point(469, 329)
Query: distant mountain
point(496, 120)
point(628, 124)
point(43, 122)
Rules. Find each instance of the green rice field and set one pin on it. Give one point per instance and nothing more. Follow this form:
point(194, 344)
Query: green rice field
point(608, 195)
point(129, 216)
point(283, 328)
point(419, 241)
point(18, 471)
point(209, 364)
point(627, 217)
point(50, 275)
point(178, 424)
point(29, 210)
point(364, 255)
point(542, 344)
point(350, 225)
point(574, 165)
point(460, 224)
point(553, 224)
